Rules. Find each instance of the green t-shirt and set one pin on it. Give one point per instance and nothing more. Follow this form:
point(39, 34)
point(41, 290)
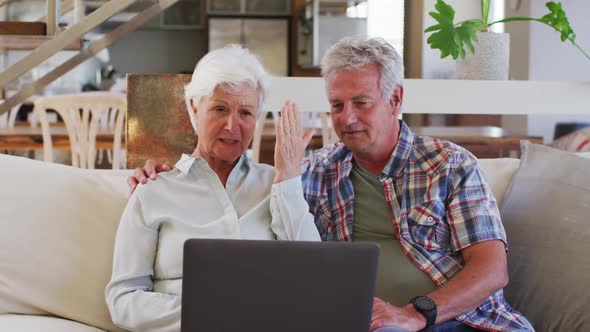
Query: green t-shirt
point(398, 280)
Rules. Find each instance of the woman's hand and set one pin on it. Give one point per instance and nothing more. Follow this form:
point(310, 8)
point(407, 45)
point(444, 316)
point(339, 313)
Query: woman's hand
point(290, 143)
point(149, 171)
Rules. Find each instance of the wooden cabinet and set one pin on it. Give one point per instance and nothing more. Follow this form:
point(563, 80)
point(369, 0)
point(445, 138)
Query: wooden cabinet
point(250, 7)
point(225, 6)
point(265, 37)
point(268, 7)
point(184, 15)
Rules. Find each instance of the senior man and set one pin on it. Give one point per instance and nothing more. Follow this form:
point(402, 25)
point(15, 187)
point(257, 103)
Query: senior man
point(424, 201)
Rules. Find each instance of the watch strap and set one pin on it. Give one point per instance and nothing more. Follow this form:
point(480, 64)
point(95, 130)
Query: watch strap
point(429, 314)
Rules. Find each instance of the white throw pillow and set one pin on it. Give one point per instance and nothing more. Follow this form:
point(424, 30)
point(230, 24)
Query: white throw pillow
point(499, 173)
point(58, 226)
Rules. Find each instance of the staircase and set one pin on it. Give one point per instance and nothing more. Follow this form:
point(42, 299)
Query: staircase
point(22, 36)
point(44, 38)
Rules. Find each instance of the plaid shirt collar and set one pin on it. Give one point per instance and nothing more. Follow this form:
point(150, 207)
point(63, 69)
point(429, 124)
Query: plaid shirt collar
point(399, 158)
point(394, 167)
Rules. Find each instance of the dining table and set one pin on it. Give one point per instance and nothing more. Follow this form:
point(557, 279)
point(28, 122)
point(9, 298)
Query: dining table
point(26, 137)
point(482, 141)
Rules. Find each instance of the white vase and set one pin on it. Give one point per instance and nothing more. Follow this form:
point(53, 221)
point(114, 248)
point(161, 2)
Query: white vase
point(491, 60)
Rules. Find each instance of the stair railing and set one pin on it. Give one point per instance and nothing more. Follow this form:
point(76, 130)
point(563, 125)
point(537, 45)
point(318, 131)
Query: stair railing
point(69, 36)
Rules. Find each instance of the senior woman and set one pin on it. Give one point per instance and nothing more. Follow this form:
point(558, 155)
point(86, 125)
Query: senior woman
point(214, 193)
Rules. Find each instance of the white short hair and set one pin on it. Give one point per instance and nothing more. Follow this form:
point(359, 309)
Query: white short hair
point(355, 52)
point(227, 67)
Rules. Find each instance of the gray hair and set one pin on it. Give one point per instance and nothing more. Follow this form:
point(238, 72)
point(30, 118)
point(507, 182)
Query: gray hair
point(227, 67)
point(355, 52)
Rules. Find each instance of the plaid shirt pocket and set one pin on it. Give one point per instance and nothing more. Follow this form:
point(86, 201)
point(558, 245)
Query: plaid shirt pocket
point(428, 226)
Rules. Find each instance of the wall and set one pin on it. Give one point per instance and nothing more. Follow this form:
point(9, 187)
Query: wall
point(550, 59)
point(158, 51)
point(536, 53)
point(147, 50)
point(413, 27)
point(71, 82)
point(151, 49)
point(519, 58)
point(432, 65)
point(333, 28)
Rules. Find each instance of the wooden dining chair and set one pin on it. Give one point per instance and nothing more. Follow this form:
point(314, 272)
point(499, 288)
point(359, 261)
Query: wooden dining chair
point(328, 134)
point(8, 119)
point(81, 114)
point(316, 120)
point(257, 139)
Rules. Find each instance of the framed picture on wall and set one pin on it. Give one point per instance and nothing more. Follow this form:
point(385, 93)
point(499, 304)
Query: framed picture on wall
point(184, 15)
point(158, 124)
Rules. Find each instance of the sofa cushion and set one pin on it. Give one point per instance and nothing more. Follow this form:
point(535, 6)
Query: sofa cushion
point(499, 173)
point(545, 214)
point(24, 323)
point(58, 227)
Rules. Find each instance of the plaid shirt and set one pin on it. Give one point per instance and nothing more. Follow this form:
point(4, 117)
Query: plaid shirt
point(440, 204)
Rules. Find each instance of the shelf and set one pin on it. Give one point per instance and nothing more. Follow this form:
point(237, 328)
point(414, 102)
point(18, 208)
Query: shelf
point(451, 96)
point(14, 43)
point(23, 28)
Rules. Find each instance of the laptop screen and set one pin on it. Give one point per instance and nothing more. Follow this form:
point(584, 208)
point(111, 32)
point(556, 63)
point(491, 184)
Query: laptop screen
point(264, 286)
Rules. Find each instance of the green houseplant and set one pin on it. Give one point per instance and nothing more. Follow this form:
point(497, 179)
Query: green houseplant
point(452, 38)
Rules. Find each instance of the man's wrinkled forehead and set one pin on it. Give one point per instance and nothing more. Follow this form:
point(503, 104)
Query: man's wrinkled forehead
point(356, 83)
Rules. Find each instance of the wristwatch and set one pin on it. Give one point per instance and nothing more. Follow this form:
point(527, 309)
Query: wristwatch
point(426, 307)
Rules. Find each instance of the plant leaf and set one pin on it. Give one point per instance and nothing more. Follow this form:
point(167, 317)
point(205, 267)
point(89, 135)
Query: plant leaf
point(433, 28)
point(448, 38)
point(485, 10)
point(558, 20)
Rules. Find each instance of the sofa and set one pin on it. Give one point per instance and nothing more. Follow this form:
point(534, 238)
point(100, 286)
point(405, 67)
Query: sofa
point(58, 225)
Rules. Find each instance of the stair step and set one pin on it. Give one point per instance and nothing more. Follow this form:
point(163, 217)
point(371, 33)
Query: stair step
point(23, 28)
point(32, 42)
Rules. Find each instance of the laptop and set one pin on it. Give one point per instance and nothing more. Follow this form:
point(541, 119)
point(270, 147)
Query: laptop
point(271, 286)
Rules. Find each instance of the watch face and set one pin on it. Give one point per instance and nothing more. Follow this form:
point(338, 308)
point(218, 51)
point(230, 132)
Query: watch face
point(424, 303)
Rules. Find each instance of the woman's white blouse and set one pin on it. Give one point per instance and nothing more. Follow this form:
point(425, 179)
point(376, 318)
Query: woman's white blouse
point(144, 293)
